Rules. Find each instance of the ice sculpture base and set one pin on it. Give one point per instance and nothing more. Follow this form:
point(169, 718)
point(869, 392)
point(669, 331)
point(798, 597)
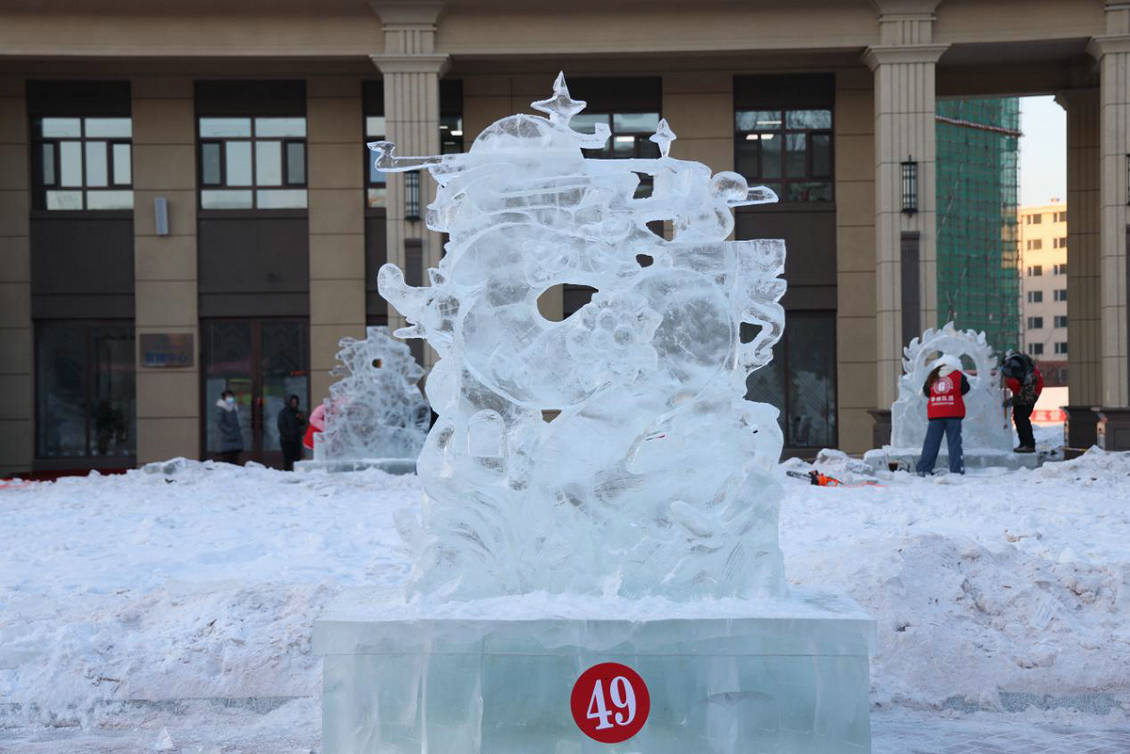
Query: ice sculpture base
point(389, 465)
point(907, 458)
point(495, 676)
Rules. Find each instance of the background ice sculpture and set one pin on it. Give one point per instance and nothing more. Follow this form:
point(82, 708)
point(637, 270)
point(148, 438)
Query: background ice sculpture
point(655, 477)
point(376, 410)
point(986, 426)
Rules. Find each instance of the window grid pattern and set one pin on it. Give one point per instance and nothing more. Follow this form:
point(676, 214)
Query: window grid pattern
point(82, 163)
point(788, 150)
point(252, 163)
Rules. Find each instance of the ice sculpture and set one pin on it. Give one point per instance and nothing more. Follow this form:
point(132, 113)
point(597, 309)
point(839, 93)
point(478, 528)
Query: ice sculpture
point(607, 461)
point(986, 426)
point(655, 475)
point(375, 411)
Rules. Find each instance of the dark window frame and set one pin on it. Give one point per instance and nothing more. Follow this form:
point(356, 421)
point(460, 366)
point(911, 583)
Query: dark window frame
point(782, 132)
point(254, 186)
point(40, 188)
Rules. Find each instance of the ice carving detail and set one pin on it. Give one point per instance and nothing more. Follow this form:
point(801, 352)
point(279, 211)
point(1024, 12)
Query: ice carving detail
point(376, 410)
point(613, 451)
point(986, 425)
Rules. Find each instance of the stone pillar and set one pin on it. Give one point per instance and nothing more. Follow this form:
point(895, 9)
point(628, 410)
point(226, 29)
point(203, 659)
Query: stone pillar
point(1083, 296)
point(164, 165)
point(854, 124)
point(1112, 50)
point(411, 68)
point(335, 157)
point(17, 362)
point(903, 64)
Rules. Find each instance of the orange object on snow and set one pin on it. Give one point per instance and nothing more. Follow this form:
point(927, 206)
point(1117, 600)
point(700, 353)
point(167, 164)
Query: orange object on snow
point(314, 426)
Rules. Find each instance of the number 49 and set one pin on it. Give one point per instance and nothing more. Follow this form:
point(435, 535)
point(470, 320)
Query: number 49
point(623, 698)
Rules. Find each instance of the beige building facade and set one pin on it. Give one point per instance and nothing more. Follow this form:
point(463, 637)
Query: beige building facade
point(1043, 282)
point(186, 205)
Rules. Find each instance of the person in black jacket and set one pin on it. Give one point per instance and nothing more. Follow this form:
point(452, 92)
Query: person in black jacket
point(292, 425)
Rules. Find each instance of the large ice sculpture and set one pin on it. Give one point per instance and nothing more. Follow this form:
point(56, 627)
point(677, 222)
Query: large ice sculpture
point(986, 425)
point(597, 491)
point(654, 477)
point(375, 411)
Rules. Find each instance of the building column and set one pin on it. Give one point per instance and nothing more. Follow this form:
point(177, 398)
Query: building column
point(335, 155)
point(903, 65)
point(1112, 50)
point(165, 290)
point(1084, 355)
point(411, 68)
point(17, 359)
point(856, 327)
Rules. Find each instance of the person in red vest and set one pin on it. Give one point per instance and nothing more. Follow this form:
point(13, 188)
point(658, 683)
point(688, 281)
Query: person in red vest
point(945, 388)
point(1023, 379)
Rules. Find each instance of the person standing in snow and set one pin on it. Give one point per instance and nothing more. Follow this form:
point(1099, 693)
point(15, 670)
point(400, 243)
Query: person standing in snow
point(231, 437)
point(945, 388)
point(1024, 381)
point(292, 424)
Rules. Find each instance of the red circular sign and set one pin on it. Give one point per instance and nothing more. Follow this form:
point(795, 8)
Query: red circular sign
point(610, 702)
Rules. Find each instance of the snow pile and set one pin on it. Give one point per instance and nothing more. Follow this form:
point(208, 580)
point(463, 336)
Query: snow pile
point(992, 591)
point(189, 590)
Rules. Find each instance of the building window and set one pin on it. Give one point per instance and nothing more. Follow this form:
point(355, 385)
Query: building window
point(1034, 219)
point(1035, 271)
point(1061, 217)
point(800, 381)
point(1035, 297)
point(1061, 348)
point(1060, 269)
point(1035, 244)
point(1035, 349)
point(1059, 243)
point(1035, 323)
point(1060, 294)
point(1060, 320)
point(84, 390)
point(252, 163)
point(788, 150)
point(82, 163)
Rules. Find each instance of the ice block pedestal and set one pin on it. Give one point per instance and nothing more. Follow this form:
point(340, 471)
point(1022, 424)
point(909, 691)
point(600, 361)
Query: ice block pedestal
point(786, 676)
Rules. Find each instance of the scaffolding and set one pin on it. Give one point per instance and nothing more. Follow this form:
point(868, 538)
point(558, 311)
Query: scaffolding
point(978, 251)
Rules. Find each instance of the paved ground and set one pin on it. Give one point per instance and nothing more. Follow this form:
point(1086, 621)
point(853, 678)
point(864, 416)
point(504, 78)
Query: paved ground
point(893, 733)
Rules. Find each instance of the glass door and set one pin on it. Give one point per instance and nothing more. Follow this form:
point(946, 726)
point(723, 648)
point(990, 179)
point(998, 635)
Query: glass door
point(262, 361)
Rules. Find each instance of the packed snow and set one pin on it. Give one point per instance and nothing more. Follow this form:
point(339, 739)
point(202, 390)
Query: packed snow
point(170, 608)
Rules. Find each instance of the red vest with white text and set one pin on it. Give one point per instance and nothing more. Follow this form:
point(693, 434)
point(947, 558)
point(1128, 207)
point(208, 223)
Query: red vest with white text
point(946, 401)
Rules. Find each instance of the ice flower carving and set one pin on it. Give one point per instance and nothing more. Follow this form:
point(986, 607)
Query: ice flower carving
point(612, 451)
point(987, 425)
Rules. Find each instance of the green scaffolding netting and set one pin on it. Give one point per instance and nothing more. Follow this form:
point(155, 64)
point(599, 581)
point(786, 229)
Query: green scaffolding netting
point(977, 247)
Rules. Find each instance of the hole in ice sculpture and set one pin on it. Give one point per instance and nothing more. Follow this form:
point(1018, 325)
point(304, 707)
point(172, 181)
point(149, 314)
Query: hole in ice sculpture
point(749, 332)
point(561, 301)
point(376, 363)
point(967, 364)
point(645, 260)
point(549, 414)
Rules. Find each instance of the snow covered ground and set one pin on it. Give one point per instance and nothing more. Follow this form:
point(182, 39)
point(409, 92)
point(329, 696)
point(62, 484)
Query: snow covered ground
point(169, 609)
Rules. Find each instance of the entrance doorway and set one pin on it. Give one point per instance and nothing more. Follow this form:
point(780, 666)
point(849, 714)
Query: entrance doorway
point(262, 361)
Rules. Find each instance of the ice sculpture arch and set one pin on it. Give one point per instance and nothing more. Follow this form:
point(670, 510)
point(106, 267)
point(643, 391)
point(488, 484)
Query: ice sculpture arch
point(656, 475)
point(986, 425)
point(375, 411)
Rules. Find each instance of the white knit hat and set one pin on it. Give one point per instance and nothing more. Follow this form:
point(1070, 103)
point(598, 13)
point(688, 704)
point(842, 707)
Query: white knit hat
point(948, 363)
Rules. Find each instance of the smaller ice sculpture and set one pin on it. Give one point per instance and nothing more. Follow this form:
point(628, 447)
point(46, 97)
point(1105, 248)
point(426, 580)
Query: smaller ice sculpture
point(376, 410)
point(986, 425)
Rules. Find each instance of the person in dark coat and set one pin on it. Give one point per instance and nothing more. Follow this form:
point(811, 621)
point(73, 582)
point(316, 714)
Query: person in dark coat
point(945, 411)
point(292, 425)
point(231, 437)
point(1024, 381)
